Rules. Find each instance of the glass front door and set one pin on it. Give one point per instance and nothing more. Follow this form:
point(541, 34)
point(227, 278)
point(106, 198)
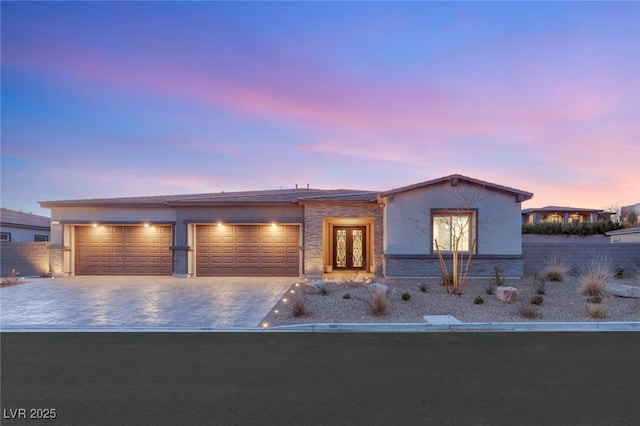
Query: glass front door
point(349, 247)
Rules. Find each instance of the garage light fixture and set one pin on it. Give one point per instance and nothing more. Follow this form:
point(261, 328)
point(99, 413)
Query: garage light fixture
point(220, 224)
point(273, 224)
point(95, 225)
point(146, 224)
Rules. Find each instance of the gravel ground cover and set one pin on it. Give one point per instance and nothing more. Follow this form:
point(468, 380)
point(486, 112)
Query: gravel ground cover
point(562, 302)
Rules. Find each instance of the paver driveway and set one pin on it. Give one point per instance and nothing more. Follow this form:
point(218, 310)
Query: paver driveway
point(140, 302)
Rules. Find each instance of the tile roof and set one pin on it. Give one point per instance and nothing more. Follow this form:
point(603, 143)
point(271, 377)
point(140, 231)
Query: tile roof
point(632, 230)
point(281, 196)
point(273, 196)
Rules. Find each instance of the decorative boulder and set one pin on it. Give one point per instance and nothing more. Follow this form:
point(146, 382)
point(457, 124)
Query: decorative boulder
point(312, 287)
point(507, 294)
point(379, 288)
point(623, 290)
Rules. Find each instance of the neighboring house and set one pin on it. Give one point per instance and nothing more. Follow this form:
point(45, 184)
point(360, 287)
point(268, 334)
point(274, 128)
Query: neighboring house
point(564, 215)
point(630, 214)
point(24, 246)
point(18, 226)
point(625, 235)
point(288, 232)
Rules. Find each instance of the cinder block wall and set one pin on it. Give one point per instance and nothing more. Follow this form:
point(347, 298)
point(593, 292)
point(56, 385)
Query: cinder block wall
point(577, 256)
point(28, 258)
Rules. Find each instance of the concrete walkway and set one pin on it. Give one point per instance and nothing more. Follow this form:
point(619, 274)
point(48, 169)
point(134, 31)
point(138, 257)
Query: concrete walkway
point(140, 302)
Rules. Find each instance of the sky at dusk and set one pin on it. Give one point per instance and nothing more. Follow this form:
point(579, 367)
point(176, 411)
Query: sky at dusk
point(115, 99)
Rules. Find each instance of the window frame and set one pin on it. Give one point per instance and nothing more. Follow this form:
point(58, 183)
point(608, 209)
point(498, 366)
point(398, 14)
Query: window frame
point(472, 233)
point(5, 236)
point(40, 238)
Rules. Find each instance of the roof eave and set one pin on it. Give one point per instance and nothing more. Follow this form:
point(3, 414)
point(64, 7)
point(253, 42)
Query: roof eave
point(519, 194)
point(54, 204)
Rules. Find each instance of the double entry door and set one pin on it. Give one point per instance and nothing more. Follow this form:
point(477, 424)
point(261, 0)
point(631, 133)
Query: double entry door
point(349, 247)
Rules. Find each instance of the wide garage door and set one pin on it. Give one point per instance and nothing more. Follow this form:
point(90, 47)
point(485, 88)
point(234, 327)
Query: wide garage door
point(123, 250)
point(247, 250)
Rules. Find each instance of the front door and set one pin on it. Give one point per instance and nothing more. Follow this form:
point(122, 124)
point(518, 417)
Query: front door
point(349, 247)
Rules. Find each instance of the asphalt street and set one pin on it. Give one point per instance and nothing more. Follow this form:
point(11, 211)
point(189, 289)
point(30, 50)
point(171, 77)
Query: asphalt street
point(321, 378)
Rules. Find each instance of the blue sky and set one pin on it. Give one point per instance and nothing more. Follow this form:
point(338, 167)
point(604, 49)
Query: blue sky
point(124, 99)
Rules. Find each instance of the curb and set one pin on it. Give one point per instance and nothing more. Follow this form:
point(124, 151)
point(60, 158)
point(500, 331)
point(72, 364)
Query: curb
point(357, 327)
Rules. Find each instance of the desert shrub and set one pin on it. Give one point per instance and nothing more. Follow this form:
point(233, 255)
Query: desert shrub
point(346, 296)
point(595, 277)
point(478, 300)
point(554, 270)
point(528, 311)
point(11, 279)
point(422, 286)
point(322, 288)
point(619, 272)
point(406, 296)
point(498, 276)
point(490, 288)
point(597, 310)
point(378, 303)
point(584, 229)
point(536, 300)
point(594, 299)
point(298, 306)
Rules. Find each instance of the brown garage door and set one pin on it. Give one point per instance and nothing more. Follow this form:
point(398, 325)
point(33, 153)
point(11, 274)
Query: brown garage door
point(123, 250)
point(247, 250)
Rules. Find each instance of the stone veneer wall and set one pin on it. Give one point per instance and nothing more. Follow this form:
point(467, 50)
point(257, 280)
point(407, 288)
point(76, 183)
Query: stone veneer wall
point(314, 215)
point(27, 258)
point(428, 266)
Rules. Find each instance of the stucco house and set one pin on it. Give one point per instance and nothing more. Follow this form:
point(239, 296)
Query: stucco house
point(288, 232)
point(19, 226)
point(565, 215)
point(624, 235)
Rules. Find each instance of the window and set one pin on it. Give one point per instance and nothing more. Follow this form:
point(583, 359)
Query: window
point(5, 236)
point(451, 227)
point(41, 238)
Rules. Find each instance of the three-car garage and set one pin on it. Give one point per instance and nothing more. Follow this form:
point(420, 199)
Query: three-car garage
point(220, 250)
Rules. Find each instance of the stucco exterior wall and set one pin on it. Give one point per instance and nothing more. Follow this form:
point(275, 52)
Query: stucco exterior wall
point(250, 214)
point(315, 236)
point(625, 238)
point(498, 218)
point(23, 234)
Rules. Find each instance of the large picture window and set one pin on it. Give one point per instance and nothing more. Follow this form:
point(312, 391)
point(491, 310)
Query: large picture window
point(451, 227)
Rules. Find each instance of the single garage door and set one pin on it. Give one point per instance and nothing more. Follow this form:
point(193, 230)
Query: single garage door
point(247, 250)
point(123, 250)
